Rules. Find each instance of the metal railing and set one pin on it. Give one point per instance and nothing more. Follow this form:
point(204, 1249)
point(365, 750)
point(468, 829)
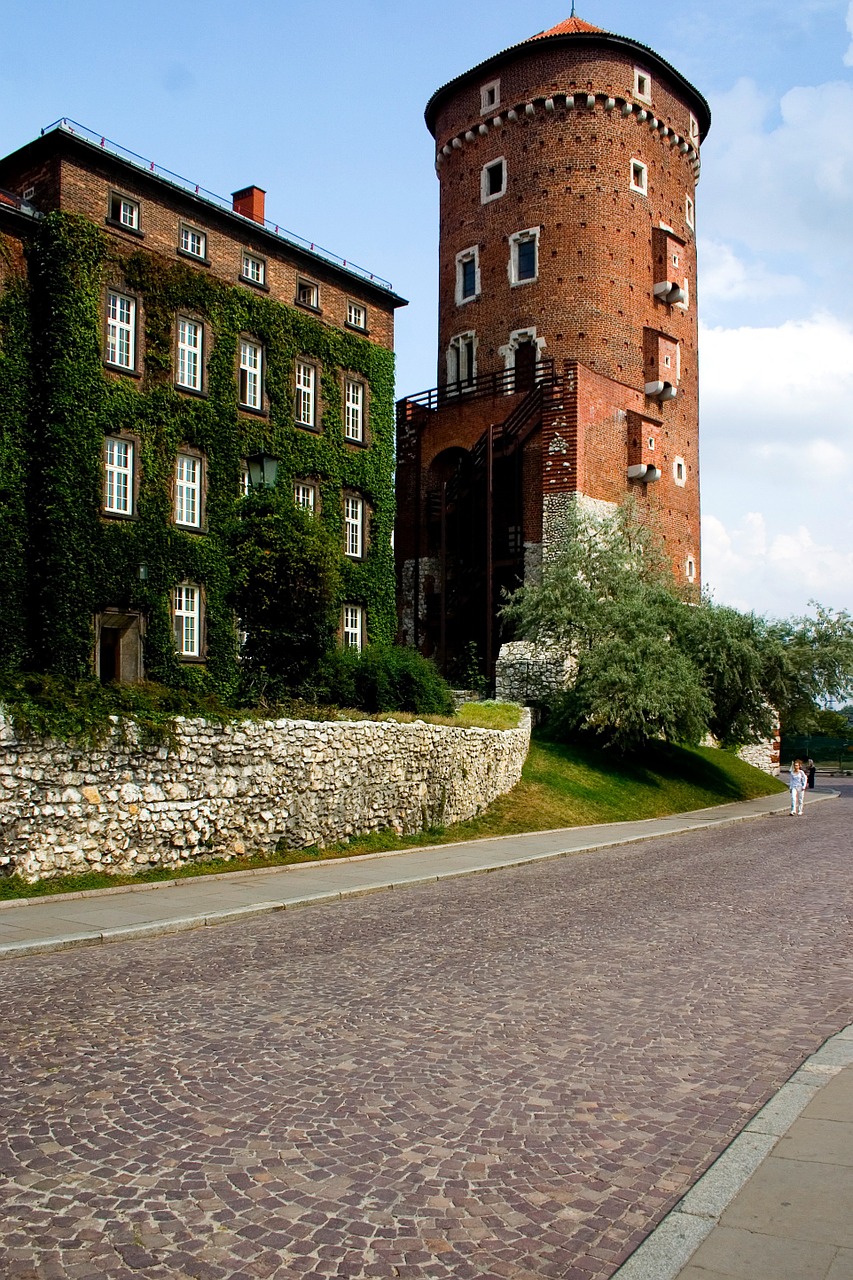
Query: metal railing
point(289, 237)
point(505, 382)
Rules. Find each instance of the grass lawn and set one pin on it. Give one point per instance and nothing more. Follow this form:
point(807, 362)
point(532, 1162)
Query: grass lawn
point(562, 786)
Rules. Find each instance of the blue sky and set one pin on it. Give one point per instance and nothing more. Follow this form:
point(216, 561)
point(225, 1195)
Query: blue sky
point(322, 104)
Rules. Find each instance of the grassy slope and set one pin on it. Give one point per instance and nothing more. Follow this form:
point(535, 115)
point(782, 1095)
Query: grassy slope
point(562, 786)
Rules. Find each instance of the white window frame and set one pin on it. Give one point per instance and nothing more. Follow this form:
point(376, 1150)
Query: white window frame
point(254, 269)
point(305, 400)
point(307, 294)
point(353, 626)
point(486, 197)
point(118, 476)
point(523, 237)
point(690, 569)
point(466, 256)
point(678, 464)
point(250, 390)
point(188, 490)
point(353, 409)
point(127, 211)
point(353, 526)
point(190, 354)
point(186, 619)
point(305, 495)
point(690, 213)
point(121, 330)
point(190, 237)
point(642, 85)
point(639, 181)
point(462, 360)
point(490, 96)
point(693, 130)
point(354, 311)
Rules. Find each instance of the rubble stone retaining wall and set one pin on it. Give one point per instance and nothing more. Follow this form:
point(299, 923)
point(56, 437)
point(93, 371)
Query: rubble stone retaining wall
point(225, 790)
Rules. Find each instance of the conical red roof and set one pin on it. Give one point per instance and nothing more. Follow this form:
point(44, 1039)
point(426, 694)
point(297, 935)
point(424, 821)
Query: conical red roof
point(570, 27)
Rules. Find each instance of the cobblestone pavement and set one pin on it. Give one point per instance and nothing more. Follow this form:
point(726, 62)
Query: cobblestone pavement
point(513, 1075)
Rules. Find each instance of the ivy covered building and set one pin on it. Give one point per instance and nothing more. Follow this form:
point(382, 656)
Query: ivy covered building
point(153, 339)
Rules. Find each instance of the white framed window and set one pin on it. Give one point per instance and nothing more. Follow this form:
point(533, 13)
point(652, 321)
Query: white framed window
point(250, 374)
point(467, 274)
point(124, 211)
point(186, 615)
point(353, 527)
point(193, 242)
point(679, 472)
point(462, 360)
point(651, 443)
point(118, 476)
point(492, 180)
point(490, 96)
point(190, 338)
point(639, 177)
point(524, 256)
point(305, 495)
point(690, 569)
point(188, 491)
point(353, 626)
point(254, 269)
point(306, 400)
point(121, 331)
point(354, 410)
point(307, 294)
point(693, 130)
point(356, 315)
point(642, 85)
point(689, 213)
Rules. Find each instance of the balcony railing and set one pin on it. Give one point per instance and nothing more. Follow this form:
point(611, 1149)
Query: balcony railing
point(139, 162)
point(504, 383)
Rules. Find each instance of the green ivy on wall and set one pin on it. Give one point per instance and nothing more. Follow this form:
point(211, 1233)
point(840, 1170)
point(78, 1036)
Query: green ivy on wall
point(80, 562)
point(15, 396)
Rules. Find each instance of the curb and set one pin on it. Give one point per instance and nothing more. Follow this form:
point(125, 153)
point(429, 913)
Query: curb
point(671, 1245)
point(127, 933)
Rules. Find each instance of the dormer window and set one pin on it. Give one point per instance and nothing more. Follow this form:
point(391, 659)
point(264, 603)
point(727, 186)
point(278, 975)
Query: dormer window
point(642, 85)
point(490, 96)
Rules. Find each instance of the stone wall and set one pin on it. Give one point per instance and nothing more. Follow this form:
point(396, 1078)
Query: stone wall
point(226, 790)
point(527, 672)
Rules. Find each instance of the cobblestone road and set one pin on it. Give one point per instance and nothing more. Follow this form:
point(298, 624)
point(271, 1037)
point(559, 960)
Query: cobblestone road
point(512, 1075)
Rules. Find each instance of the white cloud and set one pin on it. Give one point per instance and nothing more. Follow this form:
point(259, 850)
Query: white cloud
point(726, 277)
point(848, 57)
point(776, 573)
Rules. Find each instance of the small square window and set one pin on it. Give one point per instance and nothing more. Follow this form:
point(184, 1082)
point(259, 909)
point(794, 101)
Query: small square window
point(124, 211)
point(651, 443)
point(679, 472)
point(694, 130)
point(188, 491)
point(490, 96)
point(307, 294)
point(353, 626)
point(642, 85)
point(118, 476)
point(121, 331)
point(354, 423)
point(690, 569)
point(190, 338)
point(639, 177)
point(305, 495)
point(306, 376)
point(254, 269)
point(667, 360)
point(492, 181)
point(193, 242)
point(675, 259)
point(250, 388)
point(186, 614)
point(356, 315)
point(689, 212)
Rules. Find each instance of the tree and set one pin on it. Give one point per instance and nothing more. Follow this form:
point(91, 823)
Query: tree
point(820, 652)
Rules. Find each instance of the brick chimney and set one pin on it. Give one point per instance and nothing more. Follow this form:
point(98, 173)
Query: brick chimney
point(249, 202)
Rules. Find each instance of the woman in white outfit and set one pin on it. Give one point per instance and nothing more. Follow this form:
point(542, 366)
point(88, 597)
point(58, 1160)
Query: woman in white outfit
point(798, 781)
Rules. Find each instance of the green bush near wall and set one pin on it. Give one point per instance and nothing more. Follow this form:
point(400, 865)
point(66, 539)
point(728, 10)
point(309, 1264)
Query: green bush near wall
point(62, 560)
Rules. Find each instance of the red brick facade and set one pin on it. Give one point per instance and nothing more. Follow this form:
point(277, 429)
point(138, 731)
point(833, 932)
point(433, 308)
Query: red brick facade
point(567, 275)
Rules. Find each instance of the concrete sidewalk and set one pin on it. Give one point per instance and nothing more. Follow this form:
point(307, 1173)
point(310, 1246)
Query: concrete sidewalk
point(778, 1203)
point(32, 925)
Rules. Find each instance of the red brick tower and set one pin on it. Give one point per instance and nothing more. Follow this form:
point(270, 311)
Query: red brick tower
point(567, 323)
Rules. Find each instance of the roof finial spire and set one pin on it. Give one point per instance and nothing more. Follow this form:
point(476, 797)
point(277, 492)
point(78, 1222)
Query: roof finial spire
point(572, 14)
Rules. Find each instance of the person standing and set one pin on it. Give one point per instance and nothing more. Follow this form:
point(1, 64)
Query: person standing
point(810, 773)
point(797, 784)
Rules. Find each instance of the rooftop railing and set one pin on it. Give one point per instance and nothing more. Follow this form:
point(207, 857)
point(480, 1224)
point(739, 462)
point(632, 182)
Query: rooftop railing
point(505, 382)
point(185, 184)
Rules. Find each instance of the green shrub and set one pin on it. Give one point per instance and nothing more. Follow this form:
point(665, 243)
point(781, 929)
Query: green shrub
point(380, 678)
